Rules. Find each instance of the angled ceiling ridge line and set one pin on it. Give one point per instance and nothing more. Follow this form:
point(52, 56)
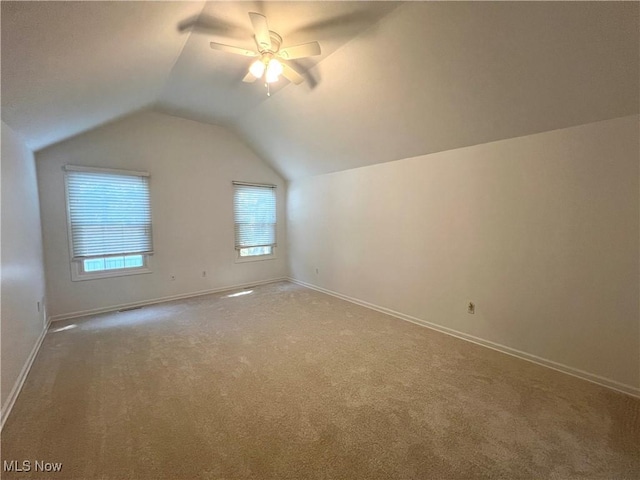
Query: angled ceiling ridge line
point(463, 147)
point(17, 133)
point(240, 117)
point(364, 32)
point(257, 150)
point(175, 62)
point(137, 111)
point(374, 24)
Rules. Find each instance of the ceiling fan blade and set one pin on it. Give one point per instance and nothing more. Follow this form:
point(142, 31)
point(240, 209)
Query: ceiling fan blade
point(212, 25)
point(309, 77)
point(261, 29)
point(291, 74)
point(231, 49)
point(344, 26)
point(249, 78)
point(300, 51)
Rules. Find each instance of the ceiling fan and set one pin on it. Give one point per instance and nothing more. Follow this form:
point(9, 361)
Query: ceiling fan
point(271, 62)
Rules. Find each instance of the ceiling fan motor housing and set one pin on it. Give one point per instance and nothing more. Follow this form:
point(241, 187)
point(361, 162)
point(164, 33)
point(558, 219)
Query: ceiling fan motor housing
point(276, 41)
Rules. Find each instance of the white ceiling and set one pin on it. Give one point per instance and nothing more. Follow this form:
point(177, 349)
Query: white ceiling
point(392, 82)
point(207, 85)
point(437, 76)
point(69, 66)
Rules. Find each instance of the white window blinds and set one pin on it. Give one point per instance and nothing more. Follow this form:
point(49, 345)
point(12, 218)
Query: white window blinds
point(254, 209)
point(109, 212)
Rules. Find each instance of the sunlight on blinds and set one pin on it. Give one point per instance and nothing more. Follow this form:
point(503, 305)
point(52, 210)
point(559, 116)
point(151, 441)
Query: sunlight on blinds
point(254, 209)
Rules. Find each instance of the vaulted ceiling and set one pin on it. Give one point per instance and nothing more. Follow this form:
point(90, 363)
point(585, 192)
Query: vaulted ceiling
point(393, 81)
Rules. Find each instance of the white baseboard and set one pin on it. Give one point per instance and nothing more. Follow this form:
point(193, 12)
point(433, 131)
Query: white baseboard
point(602, 381)
point(17, 387)
point(113, 308)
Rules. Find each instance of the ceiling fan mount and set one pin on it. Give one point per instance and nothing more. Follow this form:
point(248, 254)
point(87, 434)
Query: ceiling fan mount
point(272, 61)
point(276, 41)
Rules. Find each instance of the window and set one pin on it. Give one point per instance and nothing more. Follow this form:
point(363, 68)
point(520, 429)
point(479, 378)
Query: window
point(109, 218)
point(254, 208)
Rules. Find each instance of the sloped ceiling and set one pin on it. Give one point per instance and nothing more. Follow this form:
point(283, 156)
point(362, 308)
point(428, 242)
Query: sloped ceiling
point(392, 82)
point(69, 66)
point(437, 76)
point(207, 85)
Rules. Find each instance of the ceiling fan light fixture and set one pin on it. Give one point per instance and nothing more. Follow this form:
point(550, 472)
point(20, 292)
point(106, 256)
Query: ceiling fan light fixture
point(274, 67)
point(270, 77)
point(268, 43)
point(257, 68)
point(274, 70)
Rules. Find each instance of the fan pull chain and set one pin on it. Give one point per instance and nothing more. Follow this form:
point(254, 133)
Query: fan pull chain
point(268, 89)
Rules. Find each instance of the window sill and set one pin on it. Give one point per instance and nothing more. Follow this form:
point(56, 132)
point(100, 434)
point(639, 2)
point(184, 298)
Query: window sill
point(76, 276)
point(255, 258)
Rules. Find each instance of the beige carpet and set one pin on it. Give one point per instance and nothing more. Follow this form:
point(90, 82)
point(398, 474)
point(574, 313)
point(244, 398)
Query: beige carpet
point(285, 382)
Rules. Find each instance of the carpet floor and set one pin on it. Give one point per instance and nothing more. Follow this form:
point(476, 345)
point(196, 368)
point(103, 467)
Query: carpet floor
point(283, 382)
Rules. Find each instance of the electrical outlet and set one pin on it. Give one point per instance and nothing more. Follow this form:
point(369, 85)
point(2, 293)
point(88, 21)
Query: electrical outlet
point(471, 308)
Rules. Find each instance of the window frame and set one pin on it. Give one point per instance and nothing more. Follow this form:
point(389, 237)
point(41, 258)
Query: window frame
point(78, 272)
point(256, 258)
point(274, 247)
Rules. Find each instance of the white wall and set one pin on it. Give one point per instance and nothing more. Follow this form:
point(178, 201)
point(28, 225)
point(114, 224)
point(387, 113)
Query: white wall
point(22, 269)
point(192, 166)
point(541, 232)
